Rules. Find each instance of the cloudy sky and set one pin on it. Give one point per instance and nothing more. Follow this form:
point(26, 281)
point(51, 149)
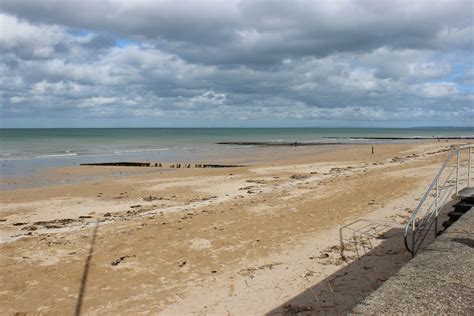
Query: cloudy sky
point(262, 63)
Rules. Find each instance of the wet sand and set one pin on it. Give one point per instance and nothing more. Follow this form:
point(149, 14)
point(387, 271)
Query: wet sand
point(264, 238)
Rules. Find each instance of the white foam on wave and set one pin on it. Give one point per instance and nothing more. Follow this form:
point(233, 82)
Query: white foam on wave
point(128, 151)
point(56, 155)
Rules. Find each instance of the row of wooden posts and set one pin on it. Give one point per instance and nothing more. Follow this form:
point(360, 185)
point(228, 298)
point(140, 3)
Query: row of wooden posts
point(184, 165)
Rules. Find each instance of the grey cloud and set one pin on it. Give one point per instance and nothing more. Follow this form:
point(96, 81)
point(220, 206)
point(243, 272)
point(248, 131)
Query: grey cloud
point(358, 61)
point(264, 32)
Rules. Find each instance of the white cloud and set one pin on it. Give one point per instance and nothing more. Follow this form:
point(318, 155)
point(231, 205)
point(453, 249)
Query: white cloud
point(435, 89)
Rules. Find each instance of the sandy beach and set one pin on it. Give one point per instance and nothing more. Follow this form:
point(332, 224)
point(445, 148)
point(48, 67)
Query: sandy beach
point(295, 230)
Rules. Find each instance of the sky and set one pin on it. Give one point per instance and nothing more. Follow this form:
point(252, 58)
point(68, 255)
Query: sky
point(248, 63)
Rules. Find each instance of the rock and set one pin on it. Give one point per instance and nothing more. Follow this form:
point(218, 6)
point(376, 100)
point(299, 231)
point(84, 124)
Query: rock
point(108, 214)
point(19, 224)
point(182, 264)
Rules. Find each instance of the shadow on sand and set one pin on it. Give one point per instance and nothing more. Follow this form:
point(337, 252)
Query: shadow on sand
point(366, 268)
point(85, 272)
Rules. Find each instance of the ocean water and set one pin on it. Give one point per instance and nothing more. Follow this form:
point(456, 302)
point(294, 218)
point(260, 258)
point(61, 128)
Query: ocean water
point(23, 150)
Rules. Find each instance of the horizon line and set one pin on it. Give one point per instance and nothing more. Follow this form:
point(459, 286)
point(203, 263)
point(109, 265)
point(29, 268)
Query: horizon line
point(243, 127)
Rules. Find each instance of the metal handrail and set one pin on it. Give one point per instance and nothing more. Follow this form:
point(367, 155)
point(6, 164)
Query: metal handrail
point(420, 223)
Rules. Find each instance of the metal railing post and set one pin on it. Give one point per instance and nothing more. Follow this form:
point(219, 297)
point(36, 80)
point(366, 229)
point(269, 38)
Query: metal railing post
point(437, 197)
point(469, 168)
point(413, 236)
point(457, 170)
point(436, 207)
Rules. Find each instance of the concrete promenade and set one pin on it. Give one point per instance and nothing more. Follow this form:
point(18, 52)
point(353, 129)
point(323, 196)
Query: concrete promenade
point(440, 279)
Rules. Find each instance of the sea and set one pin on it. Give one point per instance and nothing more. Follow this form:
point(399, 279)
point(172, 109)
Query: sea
point(25, 150)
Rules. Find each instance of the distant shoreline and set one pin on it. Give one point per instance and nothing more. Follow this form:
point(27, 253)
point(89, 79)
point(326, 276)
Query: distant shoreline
point(297, 143)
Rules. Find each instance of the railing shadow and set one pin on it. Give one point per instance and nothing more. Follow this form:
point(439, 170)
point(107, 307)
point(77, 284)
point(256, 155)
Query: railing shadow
point(429, 229)
point(85, 273)
point(367, 267)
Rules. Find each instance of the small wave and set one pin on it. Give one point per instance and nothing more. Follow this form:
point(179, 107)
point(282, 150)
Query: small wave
point(56, 155)
point(139, 150)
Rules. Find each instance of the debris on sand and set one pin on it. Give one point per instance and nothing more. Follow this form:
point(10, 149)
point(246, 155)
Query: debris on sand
point(291, 309)
point(119, 260)
point(209, 198)
point(338, 170)
point(250, 272)
point(57, 223)
point(246, 188)
point(152, 198)
point(397, 159)
point(30, 228)
point(257, 181)
point(299, 176)
point(323, 255)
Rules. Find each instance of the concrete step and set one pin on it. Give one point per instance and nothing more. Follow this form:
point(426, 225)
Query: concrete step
point(466, 194)
point(464, 205)
point(455, 214)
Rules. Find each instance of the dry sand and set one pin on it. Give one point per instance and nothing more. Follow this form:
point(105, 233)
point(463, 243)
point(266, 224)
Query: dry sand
point(265, 238)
